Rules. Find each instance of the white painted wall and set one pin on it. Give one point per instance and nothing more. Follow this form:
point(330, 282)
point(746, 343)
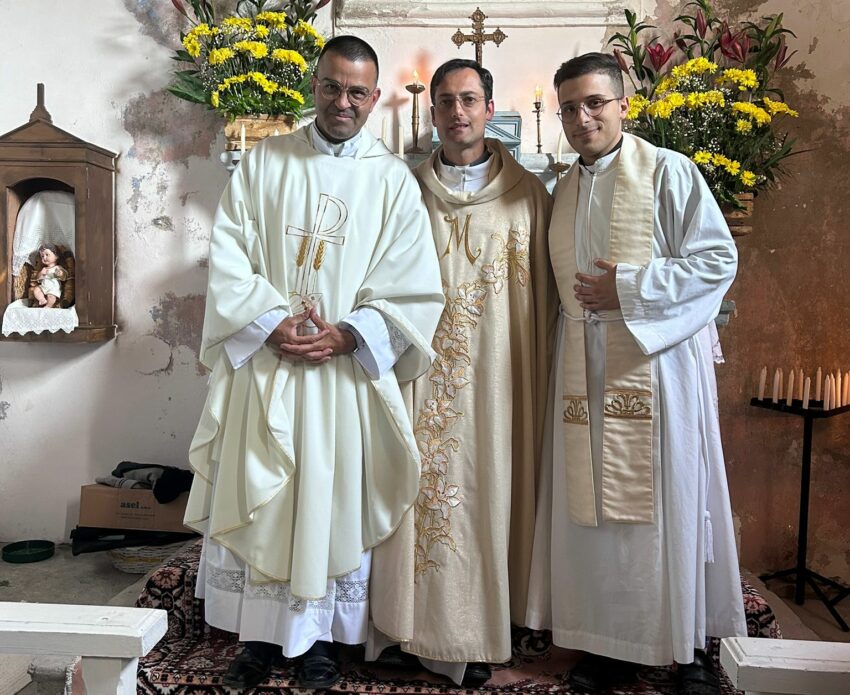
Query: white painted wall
point(69, 413)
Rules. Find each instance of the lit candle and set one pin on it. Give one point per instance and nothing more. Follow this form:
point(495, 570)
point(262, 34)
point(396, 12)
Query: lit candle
point(560, 147)
point(416, 78)
point(806, 389)
point(789, 396)
point(818, 380)
point(775, 394)
point(762, 382)
point(538, 93)
point(384, 130)
point(401, 140)
point(242, 139)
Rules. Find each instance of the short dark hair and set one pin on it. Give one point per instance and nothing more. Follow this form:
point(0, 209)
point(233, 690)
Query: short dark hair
point(588, 63)
point(459, 64)
point(351, 48)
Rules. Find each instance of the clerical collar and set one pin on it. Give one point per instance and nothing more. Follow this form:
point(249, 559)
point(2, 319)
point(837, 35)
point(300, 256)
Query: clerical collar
point(603, 162)
point(469, 178)
point(346, 148)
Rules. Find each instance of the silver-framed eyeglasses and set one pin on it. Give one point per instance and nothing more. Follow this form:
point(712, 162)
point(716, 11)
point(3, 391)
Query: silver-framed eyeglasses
point(466, 101)
point(332, 90)
point(592, 107)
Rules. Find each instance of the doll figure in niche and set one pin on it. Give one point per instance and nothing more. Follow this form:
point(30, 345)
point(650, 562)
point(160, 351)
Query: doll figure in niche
point(47, 284)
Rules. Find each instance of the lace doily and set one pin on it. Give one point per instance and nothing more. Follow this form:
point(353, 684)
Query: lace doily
point(20, 318)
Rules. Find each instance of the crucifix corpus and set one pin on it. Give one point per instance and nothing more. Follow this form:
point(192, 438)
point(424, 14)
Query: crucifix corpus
point(478, 37)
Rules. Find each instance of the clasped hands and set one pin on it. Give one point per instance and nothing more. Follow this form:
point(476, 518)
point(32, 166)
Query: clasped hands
point(598, 292)
point(316, 348)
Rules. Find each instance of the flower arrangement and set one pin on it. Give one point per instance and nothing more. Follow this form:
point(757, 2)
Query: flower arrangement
point(708, 96)
point(256, 61)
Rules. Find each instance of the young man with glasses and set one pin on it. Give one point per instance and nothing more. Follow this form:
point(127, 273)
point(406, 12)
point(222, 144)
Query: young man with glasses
point(455, 577)
point(324, 293)
point(634, 551)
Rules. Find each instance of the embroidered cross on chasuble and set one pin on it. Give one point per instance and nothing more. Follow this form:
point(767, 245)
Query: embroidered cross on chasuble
point(627, 412)
point(331, 215)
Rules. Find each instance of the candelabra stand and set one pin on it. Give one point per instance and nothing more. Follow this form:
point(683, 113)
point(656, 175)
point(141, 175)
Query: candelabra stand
point(416, 88)
point(538, 107)
point(559, 168)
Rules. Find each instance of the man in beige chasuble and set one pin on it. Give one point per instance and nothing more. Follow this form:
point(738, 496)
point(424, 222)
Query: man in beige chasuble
point(634, 553)
point(454, 576)
point(324, 293)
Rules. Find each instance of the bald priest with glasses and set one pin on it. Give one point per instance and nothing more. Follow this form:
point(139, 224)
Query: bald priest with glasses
point(634, 550)
point(454, 578)
point(324, 293)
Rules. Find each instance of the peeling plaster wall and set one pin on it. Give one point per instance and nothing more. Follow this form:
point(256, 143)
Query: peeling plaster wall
point(139, 396)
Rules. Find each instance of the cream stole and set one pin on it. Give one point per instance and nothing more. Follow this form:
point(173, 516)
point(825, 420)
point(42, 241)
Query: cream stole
point(627, 486)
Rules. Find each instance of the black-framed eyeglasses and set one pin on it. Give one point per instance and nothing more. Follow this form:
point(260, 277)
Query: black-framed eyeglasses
point(466, 101)
point(592, 107)
point(332, 90)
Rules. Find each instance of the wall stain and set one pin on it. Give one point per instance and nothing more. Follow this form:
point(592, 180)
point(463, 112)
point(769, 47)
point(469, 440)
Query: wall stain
point(179, 321)
point(4, 405)
point(163, 222)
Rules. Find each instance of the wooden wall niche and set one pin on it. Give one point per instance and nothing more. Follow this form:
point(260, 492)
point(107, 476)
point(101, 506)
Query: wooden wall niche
point(38, 156)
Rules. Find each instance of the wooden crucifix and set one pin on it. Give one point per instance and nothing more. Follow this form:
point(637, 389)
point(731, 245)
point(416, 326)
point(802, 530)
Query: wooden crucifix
point(478, 37)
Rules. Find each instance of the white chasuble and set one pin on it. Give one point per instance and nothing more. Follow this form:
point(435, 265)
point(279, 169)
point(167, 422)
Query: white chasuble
point(300, 468)
point(647, 592)
point(450, 581)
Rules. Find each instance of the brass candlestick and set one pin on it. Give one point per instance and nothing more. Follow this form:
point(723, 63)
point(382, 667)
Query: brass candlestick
point(538, 107)
point(559, 168)
point(416, 88)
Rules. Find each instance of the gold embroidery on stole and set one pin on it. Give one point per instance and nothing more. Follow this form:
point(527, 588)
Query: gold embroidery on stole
point(627, 493)
point(459, 237)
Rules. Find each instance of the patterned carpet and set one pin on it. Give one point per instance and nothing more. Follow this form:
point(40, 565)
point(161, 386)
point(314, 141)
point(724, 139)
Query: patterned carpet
point(192, 657)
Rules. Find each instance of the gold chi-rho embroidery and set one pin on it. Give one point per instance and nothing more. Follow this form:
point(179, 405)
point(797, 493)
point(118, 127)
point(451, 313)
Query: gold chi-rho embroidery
point(459, 237)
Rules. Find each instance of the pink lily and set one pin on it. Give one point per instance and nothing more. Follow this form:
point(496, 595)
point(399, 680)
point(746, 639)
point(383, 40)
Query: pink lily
point(180, 7)
point(702, 25)
point(658, 55)
point(735, 47)
point(782, 56)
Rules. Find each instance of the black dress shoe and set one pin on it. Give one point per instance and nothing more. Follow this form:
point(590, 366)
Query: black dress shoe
point(393, 656)
point(476, 675)
point(595, 673)
point(251, 666)
point(319, 667)
point(699, 677)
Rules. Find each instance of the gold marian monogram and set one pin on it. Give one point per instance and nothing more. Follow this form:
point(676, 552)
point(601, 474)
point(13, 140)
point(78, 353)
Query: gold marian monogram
point(331, 214)
point(575, 412)
point(632, 404)
point(437, 495)
point(459, 237)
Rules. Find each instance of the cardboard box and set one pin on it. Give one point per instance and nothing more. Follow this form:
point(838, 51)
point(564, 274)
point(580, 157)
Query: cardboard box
point(104, 506)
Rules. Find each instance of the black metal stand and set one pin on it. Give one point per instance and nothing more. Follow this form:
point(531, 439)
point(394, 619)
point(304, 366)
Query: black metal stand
point(802, 573)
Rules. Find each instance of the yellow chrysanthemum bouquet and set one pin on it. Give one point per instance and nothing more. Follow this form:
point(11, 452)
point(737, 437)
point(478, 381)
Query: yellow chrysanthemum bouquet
point(715, 105)
point(256, 61)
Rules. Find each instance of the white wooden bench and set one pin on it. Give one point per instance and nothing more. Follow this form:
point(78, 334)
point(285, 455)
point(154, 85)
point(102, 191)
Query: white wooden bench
point(779, 666)
point(110, 639)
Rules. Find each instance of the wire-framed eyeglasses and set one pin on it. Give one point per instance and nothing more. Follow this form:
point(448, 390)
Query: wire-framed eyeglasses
point(332, 90)
point(592, 107)
point(466, 101)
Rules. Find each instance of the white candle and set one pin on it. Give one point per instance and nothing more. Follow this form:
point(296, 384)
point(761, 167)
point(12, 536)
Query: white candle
point(560, 146)
point(781, 382)
point(826, 393)
point(806, 389)
point(775, 394)
point(800, 378)
point(242, 139)
point(416, 78)
point(839, 390)
point(401, 141)
point(789, 397)
point(384, 130)
point(762, 382)
point(538, 93)
point(846, 399)
point(818, 381)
